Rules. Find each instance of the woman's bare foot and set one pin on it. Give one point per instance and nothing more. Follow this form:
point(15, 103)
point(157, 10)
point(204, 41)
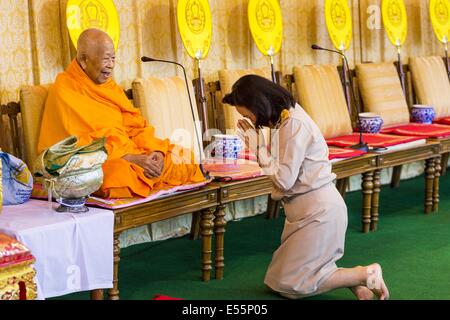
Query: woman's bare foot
point(362, 293)
point(375, 282)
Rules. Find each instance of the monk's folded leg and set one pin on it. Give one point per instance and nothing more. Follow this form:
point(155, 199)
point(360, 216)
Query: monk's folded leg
point(123, 179)
point(180, 169)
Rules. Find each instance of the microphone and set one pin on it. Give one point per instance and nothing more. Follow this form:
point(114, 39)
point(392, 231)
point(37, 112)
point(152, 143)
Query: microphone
point(361, 145)
point(199, 138)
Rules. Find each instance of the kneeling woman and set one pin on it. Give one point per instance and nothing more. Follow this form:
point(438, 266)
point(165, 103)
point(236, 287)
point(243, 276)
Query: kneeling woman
point(316, 215)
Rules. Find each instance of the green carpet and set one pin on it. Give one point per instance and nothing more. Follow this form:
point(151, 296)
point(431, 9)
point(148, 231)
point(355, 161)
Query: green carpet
point(413, 249)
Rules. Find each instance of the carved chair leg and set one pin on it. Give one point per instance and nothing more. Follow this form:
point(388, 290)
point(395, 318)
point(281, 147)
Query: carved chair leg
point(367, 190)
point(375, 200)
point(206, 230)
point(277, 209)
point(429, 184)
point(272, 208)
point(444, 163)
point(341, 185)
point(219, 232)
point(113, 294)
point(195, 226)
point(437, 175)
point(97, 294)
point(396, 174)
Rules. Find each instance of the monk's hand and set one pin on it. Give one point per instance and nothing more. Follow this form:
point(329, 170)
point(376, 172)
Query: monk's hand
point(253, 139)
point(151, 168)
point(158, 158)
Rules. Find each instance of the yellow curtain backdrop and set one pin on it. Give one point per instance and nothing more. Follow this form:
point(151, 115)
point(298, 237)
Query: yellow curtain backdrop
point(34, 43)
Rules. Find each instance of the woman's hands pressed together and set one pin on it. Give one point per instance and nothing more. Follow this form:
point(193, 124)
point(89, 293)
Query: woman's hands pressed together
point(253, 138)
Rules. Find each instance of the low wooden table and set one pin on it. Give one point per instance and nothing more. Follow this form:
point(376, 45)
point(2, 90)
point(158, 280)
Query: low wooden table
point(428, 152)
point(365, 165)
point(231, 192)
point(204, 200)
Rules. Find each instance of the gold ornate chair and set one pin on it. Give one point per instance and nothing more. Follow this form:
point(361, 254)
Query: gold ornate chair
point(320, 93)
point(381, 92)
point(165, 105)
point(227, 116)
point(32, 103)
point(432, 87)
point(10, 121)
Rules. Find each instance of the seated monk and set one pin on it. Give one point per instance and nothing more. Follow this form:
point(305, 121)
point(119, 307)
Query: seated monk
point(87, 103)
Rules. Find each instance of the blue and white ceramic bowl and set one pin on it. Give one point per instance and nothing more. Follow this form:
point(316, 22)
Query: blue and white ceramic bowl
point(370, 122)
point(227, 146)
point(422, 113)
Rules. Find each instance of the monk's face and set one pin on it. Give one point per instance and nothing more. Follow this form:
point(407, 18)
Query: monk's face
point(99, 62)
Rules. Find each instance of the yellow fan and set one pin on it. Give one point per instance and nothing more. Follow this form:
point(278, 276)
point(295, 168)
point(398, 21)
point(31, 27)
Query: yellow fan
point(195, 27)
point(99, 14)
point(440, 18)
point(339, 23)
point(266, 25)
point(395, 21)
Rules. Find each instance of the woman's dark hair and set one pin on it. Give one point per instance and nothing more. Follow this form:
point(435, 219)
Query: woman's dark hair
point(264, 98)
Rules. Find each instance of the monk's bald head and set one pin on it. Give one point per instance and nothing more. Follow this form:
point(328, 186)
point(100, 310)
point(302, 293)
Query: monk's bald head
point(96, 55)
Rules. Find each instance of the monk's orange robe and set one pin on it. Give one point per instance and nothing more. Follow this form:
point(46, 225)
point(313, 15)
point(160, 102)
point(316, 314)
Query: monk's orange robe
point(78, 106)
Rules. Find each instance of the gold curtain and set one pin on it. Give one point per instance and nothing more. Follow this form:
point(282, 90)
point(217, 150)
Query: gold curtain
point(35, 47)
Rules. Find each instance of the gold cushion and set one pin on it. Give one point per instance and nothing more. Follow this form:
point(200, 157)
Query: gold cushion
point(320, 93)
point(32, 103)
point(164, 103)
point(382, 93)
point(228, 115)
point(431, 83)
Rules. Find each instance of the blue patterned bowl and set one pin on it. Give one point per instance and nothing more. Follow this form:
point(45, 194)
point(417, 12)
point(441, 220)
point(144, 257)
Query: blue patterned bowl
point(227, 146)
point(370, 122)
point(422, 114)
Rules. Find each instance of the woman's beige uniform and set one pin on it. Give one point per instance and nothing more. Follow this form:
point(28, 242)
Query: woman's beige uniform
point(316, 215)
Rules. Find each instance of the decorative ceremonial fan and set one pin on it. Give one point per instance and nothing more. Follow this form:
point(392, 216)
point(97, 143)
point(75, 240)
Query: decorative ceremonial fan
point(440, 18)
point(395, 22)
point(99, 14)
point(195, 27)
point(339, 23)
point(266, 26)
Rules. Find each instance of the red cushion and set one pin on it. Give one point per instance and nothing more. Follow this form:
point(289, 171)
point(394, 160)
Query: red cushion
point(373, 140)
point(420, 129)
point(13, 252)
point(162, 297)
point(230, 170)
point(340, 153)
point(445, 120)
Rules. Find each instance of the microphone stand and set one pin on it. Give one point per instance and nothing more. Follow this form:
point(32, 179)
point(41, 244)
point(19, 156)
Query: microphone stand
point(202, 98)
point(274, 78)
point(361, 145)
point(400, 69)
point(446, 57)
point(147, 59)
point(345, 77)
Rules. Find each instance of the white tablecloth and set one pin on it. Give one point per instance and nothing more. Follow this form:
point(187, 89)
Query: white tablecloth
point(74, 252)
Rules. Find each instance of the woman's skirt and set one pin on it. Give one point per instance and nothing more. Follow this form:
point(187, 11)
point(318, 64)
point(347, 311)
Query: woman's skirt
point(312, 241)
